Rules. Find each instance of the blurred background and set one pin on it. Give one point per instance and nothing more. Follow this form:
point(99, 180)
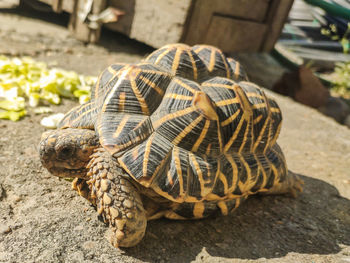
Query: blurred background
point(296, 48)
point(51, 52)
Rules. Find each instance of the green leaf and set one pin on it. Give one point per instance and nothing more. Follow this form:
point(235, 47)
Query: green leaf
point(24, 81)
point(12, 115)
point(12, 105)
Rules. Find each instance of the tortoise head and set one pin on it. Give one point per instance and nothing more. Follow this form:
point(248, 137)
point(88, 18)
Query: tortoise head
point(66, 152)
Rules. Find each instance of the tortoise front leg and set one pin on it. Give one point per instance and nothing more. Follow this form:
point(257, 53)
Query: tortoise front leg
point(117, 200)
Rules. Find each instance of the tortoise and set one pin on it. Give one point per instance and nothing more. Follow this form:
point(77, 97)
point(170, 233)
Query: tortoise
point(182, 135)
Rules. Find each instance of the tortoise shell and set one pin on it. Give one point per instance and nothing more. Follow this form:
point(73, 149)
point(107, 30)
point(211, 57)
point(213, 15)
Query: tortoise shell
point(186, 123)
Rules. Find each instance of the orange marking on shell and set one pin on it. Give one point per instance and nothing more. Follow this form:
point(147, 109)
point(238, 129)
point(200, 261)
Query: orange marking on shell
point(135, 154)
point(245, 137)
point(201, 136)
point(204, 190)
point(218, 85)
point(83, 107)
point(207, 151)
point(198, 210)
point(113, 72)
point(274, 110)
point(147, 181)
point(146, 156)
point(176, 60)
point(187, 130)
point(259, 106)
point(140, 98)
point(262, 131)
point(202, 102)
point(159, 58)
point(227, 67)
point(173, 116)
point(277, 175)
point(213, 197)
point(82, 115)
point(152, 85)
point(212, 60)
point(177, 96)
point(194, 66)
point(257, 119)
point(177, 162)
point(247, 115)
point(156, 72)
point(122, 99)
point(121, 126)
point(223, 207)
point(199, 49)
point(269, 120)
point(254, 95)
point(227, 102)
point(234, 136)
point(238, 201)
point(170, 179)
point(265, 126)
point(184, 85)
point(223, 179)
point(250, 182)
point(230, 119)
point(263, 172)
point(123, 74)
point(237, 70)
point(97, 85)
point(274, 139)
point(66, 122)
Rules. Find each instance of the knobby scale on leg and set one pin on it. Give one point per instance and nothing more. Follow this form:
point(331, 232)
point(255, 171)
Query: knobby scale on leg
point(117, 200)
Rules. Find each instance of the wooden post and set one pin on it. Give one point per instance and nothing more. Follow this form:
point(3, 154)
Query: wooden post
point(278, 15)
point(81, 29)
point(57, 6)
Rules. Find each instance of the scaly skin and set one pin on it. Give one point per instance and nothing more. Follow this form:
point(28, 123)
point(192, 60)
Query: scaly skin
point(77, 153)
point(66, 152)
point(118, 201)
point(73, 153)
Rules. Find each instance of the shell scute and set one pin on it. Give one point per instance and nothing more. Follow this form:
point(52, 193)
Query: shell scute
point(82, 116)
point(180, 60)
point(106, 80)
point(187, 124)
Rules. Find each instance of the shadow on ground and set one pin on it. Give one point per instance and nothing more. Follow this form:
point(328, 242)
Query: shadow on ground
point(271, 226)
point(44, 14)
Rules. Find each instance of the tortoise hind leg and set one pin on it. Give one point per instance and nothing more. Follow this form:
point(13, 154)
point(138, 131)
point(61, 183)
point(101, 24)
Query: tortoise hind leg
point(117, 200)
point(292, 184)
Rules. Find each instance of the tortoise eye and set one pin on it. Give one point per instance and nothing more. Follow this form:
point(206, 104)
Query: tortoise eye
point(65, 153)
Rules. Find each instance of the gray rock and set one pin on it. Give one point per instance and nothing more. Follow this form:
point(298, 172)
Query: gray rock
point(347, 121)
point(336, 108)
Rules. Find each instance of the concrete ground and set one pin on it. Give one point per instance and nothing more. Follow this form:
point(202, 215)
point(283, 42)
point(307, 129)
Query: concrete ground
point(43, 220)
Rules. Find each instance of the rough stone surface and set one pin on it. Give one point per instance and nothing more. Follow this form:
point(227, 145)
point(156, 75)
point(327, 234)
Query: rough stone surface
point(336, 108)
point(347, 121)
point(43, 220)
point(304, 87)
